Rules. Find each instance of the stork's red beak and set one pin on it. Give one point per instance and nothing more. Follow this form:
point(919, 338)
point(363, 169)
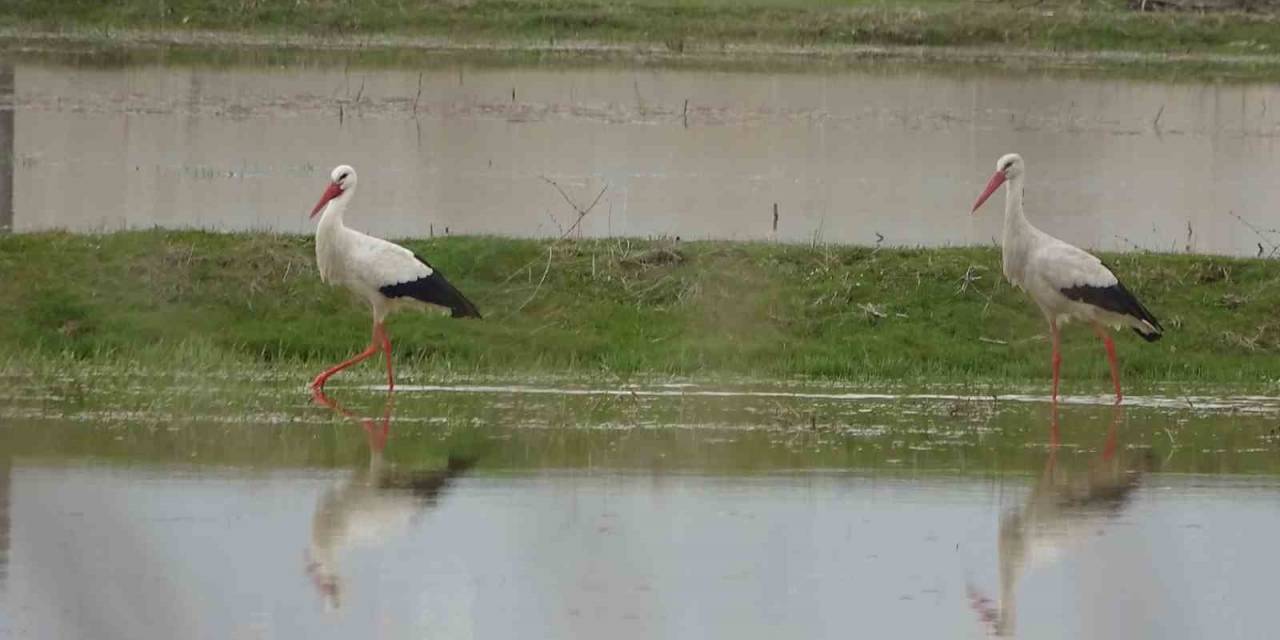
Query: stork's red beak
point(995, 182)
point(330, 192)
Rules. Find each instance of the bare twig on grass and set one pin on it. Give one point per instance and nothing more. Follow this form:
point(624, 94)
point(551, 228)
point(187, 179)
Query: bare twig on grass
point(874, 312)
point(545, 271)
point(582, 213)
point(970, 279)
point(1261, 233)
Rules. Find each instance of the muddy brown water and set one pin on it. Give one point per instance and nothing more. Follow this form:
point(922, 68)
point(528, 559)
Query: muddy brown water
point(850, 155)
point(501, 511)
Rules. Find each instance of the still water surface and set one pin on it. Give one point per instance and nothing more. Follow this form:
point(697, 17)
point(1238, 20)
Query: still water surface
point(849, 154)
point(493, 514)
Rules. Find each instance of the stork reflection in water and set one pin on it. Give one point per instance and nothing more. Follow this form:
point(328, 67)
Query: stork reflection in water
point(374, 505)
point(1066, 507)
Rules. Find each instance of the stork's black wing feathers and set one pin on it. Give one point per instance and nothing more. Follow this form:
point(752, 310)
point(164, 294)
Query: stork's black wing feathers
point(433, 289)
point(1116, 299)
point(428, 485)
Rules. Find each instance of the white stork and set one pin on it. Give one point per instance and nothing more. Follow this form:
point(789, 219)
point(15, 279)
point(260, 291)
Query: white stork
point(386, 274)
point(1065, 281)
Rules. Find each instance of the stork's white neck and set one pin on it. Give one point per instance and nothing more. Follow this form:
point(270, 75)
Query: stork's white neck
point(1019, 236)
point(1015, 219)
point(329, 235)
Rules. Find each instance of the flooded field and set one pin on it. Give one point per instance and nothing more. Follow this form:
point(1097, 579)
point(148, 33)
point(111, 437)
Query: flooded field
point(154, 508)
point(892, 154)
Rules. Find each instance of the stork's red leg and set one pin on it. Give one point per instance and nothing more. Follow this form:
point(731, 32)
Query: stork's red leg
point(380, 333)
point(319, 381)
point(324, 376)
point(1056, 358)
point(1111, 358)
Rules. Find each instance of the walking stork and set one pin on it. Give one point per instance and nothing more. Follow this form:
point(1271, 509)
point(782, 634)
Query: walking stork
point(388, 275)
point(1066, 282)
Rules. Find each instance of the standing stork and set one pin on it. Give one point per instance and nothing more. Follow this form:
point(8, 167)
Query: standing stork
point(388, 275)
point(1066, 282)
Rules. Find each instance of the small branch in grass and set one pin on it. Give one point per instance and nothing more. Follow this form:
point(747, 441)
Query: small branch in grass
point(582, 213)
point(873, 311)
point(1261, 233)
point(970, 279)
point(545, 271)
point(992, 341)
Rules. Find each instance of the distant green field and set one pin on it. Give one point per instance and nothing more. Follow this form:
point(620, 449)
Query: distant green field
point(1092, 25)
point(704, 310)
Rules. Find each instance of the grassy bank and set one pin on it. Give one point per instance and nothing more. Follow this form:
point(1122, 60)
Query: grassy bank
point(623, 307)
point(1058, 25)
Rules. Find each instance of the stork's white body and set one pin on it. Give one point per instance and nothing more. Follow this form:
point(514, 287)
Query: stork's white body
point(383, 273)
point(1066, 282)
point(362, 263)
point(1044, 266)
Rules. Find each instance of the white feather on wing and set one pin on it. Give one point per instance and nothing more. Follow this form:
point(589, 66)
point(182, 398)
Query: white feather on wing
point(1063, 266)
point(379, 263)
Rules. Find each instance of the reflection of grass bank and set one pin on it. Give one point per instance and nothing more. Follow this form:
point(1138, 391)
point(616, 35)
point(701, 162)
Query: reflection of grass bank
point(1058, 25)
point(622, 307)
point(239, 426)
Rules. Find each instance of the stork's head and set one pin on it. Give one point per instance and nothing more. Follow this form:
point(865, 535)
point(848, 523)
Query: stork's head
point(1008, 167)
point(341, 180)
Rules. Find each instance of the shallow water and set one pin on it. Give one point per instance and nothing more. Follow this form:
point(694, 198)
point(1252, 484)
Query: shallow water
point(137, 510)
point(849, 154)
